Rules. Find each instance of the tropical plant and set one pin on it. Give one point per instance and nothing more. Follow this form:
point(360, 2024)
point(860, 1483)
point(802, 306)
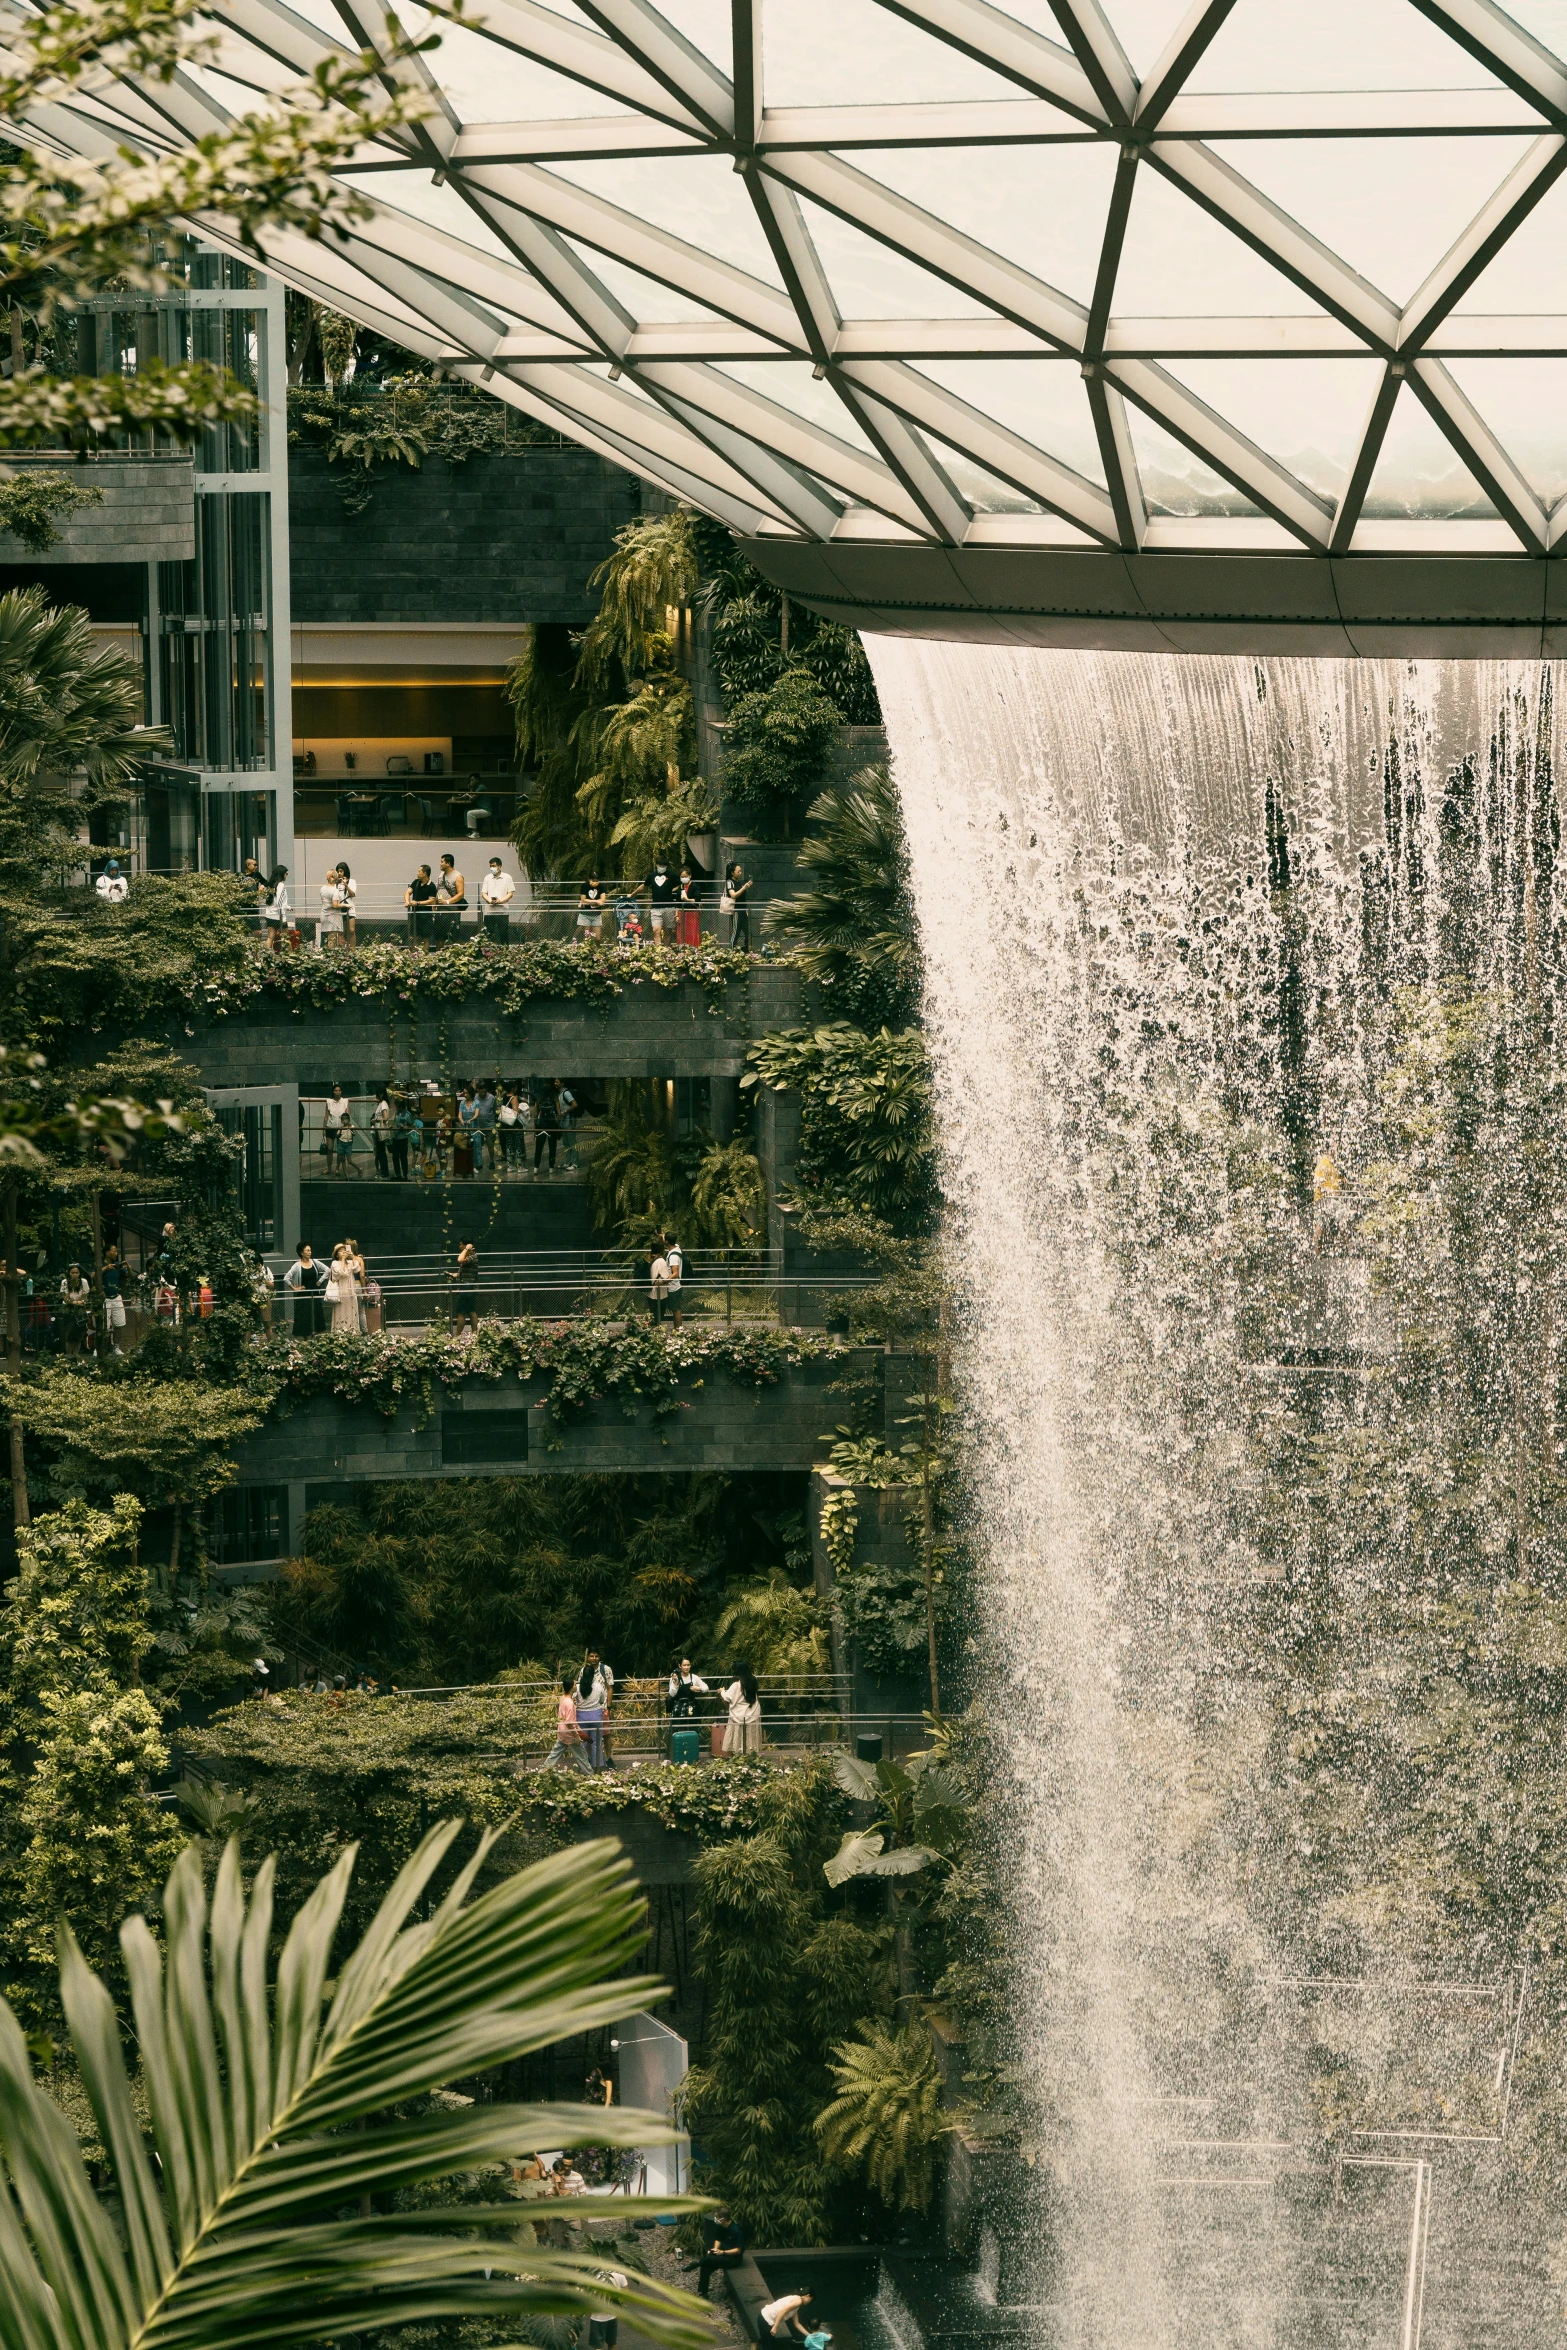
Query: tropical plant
point(70, 730)
point(924, 1820)
point(218, 1811)
point(778, 742)
point(652, 572)
point(68, 228)
point(729, 1196)
point(852, 928)
point(548, 707)
point(867, 1145)
point(336, 338)
point(776, 1627)
point(33, 503)
point(659, 823)
point(277, 2106)
point(886, 2117)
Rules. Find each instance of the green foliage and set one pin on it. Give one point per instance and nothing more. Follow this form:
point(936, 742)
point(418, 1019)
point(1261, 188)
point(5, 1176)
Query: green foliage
point(923, 1806)
point(77, 1611)
point(248, 2228)
point(548, 706)
point(749, 653)
point(402, 419)
point(652, 572)
point(35, 502)
point(439, 1584)
point(644, 1180)
point(768, 1948)
point(167, 1441)
point(69, 714)
point(77, 966)
point(866, 1141)
point(886, 2117)
point(776, 1627)
point(777, 743)
point(729, 1197)
point(853, 927)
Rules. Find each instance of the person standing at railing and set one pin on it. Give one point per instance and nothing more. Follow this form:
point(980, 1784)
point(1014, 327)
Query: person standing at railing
point(329, 929)
point(546, 1121)
point(465, 1290)
point(112, 1283)
point(75, 1298)
point(595, 1687)
point(382, 1120)
point(451, 899)
point(276, 914)
point(685, 1687)
point(688, 929)
point(496, 892)
point(113, 887)
point(342, 1293)
point(569, 1752)
point(484, 1127)
point(736, 903)
point(419, 898)
point(253, 890)
point(566, 1104)
point(661, 902)
point(305, 1279)
point(343, 1141)
point(675, 1260)
point(467, 1128)
point(405, 1124)
point(591, 908)
point(508, 1124)
point(657, 1284)
point(350, 893)
point(744, 1700)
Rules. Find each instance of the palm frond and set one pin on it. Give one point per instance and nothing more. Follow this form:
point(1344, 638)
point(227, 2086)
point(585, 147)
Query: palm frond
point(267, 2103)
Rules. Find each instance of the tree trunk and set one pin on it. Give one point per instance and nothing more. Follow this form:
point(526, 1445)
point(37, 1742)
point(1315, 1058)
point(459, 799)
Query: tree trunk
point(18, 355)
point(21, 1513)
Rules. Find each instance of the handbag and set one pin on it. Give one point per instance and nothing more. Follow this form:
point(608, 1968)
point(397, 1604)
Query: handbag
point(332, 1293)
point(726, 904)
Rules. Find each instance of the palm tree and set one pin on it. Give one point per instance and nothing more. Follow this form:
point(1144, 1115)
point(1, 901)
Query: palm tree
point(854, 929)
point(70, 729)
point(279, 2113)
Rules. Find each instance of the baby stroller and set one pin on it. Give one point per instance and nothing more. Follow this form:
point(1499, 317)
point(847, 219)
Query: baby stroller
point(628, 916)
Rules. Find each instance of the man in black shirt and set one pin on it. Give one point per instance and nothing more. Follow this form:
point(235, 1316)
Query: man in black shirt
point(722, 2246)
point(419, 898)
point(663, 889)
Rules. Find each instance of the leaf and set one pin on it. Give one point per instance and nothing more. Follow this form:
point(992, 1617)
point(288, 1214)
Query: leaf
point(856, 1778)
point(251, 2087)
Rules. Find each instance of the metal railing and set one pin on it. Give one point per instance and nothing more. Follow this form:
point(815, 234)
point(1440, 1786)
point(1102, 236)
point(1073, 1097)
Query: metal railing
point(540, 909)
point(427, 1153)
point(749, 1284)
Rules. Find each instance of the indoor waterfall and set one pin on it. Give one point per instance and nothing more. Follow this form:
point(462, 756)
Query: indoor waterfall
point(1245, 983)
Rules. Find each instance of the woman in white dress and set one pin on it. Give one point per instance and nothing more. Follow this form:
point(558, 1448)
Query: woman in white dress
point(343, 1291)
point(743, 1698)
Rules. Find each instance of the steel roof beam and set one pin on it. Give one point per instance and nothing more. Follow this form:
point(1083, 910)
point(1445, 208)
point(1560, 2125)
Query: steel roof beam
point(1473, 440)
point(1106, 68)
point(997, 40)
point(1218, 443)
point(1181, 54)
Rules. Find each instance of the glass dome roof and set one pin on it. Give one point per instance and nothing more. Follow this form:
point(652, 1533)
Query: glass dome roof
point(1241, 276)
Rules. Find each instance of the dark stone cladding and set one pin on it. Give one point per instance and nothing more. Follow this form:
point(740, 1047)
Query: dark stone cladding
point(722, 1425)
point(497, 538)
point(644, 1032)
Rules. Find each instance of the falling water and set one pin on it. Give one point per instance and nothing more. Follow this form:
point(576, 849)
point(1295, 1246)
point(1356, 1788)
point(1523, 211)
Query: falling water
point(1221, 957)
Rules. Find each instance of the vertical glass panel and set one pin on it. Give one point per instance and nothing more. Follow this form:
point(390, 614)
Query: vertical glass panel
point(1418, 472)
point(215, 648)
point(1389, 207)
point(1179, 262)
point(1524, 401)
point(851, 52)
point(1176, 482)
point(697, 197)
point(1043, 207)
point(1042, 400)
point(870, 280)
point(1307, 413)
point(1334, 45)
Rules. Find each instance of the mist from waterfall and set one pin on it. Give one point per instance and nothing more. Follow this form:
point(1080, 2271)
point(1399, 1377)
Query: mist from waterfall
point(1242, 986)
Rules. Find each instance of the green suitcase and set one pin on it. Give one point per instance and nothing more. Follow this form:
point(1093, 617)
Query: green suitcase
point(685, 1746)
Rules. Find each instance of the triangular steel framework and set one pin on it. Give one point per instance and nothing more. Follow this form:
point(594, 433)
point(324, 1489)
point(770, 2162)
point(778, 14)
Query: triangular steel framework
point(524, 301)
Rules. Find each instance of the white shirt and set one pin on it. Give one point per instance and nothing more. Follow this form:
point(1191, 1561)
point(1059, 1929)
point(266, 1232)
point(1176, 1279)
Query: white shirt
point(785, 2307)
point(277, 904)
point(676, 1264)
point(739, 1711)
point(696, 1682)
point(337, 1112)
point(114, 887)
point(658, 1277)
point(497, 889)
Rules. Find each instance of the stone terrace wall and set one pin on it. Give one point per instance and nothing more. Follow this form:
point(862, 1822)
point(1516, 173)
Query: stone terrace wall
point(646, 1032)
point(501, 1431)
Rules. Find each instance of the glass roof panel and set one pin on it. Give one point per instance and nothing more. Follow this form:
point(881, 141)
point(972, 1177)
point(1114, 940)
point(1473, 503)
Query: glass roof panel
point(986, 492)
point(416, 193)
point(1528, 278)
point(1176, 482)
point(833, 52)
point(1335, 45)
point(1524, 401)
point(707, 25)
point(793, 385)
point(870, 280)
point(487, 82)
point(1141, 26)
point(697, 197)
point(1177, 261)
point(1545, 19)
point(1043, 207)
point(1308, 413)
point(1043, 401)
point(1418, 472)
point(644, 297)
point(1355, 195)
